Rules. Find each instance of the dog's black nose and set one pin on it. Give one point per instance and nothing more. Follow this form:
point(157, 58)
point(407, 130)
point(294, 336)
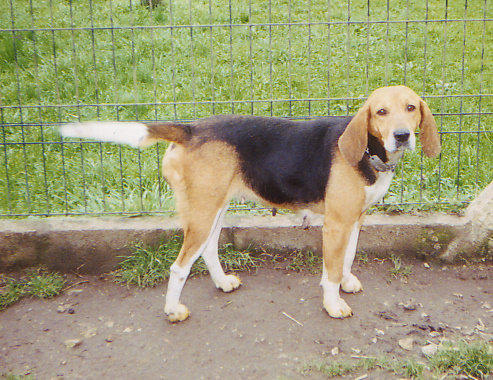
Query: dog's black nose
point(401, 135)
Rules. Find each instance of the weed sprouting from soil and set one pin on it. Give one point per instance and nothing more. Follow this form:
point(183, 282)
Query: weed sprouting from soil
point(399, 269)
point(362, 257)
point(45, 285)
point(300, 261)
point(332, 369)
point(10, 292)
point(411, 368)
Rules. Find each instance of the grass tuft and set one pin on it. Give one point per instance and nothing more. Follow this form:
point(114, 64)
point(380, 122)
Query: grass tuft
point(336, 369)
point(149, 265)
point(11, 291)
point(38, 284)
point(474, 360)
point(344, 368)
point(465, 360)
point(45, 285)
point(238, 260)
point(411, 368)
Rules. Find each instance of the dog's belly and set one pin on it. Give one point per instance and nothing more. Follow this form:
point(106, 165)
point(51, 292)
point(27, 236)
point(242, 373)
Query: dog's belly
point(375, 192)
point(244, 193)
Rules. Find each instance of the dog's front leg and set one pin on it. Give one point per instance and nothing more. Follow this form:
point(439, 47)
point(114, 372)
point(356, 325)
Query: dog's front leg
point(350, 283)
point(336, 235)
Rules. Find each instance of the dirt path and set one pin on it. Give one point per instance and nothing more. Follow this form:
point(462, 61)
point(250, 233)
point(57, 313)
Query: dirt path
point(271, 328)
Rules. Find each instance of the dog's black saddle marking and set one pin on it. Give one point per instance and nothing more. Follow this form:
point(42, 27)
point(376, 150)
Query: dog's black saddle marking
point(284, 161)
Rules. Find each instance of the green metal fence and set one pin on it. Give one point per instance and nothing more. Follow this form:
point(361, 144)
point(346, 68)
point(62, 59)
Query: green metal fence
point(63, 61)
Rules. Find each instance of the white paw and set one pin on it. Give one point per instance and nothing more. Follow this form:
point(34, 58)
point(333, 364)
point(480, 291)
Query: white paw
point(338, 308)
point(177, 313)
point(351, 284)
point(229, 283)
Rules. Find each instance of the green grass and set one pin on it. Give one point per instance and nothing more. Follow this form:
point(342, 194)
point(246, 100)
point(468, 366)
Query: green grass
point(332, 370)
point(362, 257)
point(346, 367)
point(472, 360)
point(411, 368)
point(149, 264)
point(38, 284)
point(63, 61)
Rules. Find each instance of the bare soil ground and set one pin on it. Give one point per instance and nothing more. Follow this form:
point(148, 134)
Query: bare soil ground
point(273, 327)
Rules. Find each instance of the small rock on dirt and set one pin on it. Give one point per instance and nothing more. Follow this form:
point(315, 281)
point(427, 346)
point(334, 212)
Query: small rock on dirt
point(406, 343)
point(430, 349)
point(72, 343)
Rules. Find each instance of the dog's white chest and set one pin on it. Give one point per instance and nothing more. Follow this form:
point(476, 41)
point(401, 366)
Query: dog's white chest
point(375, 192)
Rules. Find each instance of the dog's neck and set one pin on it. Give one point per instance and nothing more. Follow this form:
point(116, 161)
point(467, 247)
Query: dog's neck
point(379, 158)
point(380, 166)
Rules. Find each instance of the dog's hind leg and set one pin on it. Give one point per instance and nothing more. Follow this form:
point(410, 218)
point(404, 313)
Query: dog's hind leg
point(226, 283)
point(195, 244)
point(202, 180)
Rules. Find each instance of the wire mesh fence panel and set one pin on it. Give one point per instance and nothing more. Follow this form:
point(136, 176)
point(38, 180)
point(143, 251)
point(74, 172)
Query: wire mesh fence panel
point(181, 60)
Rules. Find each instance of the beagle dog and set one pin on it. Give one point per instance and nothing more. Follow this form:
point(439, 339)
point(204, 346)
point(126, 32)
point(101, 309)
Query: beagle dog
point(337, 166)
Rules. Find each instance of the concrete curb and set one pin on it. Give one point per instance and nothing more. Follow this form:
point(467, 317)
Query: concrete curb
point(95, 245)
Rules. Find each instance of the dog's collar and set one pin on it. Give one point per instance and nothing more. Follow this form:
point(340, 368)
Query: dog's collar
point(377, 163)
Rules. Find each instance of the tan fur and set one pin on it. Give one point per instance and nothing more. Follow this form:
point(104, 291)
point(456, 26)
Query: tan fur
point(353, 141)
point(342, 210)
point(429, 137)
point(179, 133)
point(189, 173)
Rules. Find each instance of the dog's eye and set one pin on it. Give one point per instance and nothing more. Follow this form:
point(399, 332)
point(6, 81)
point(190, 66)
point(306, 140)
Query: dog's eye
point(411, 107)
point(382, 112)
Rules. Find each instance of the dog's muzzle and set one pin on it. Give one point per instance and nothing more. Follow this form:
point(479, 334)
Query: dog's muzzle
point(401, 137)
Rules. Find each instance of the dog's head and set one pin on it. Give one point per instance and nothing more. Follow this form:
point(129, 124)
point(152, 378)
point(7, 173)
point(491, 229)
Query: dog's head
point(391, 114)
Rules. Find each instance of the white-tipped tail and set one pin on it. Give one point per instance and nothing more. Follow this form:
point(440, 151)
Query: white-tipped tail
point(131, 133)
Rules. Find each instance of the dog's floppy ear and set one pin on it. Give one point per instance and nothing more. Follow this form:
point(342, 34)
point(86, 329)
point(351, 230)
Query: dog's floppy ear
point(354, 141)
point(430, 140)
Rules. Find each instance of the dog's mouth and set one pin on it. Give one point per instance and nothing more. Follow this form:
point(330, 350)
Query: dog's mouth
point(401, 140)
point(403, 146)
